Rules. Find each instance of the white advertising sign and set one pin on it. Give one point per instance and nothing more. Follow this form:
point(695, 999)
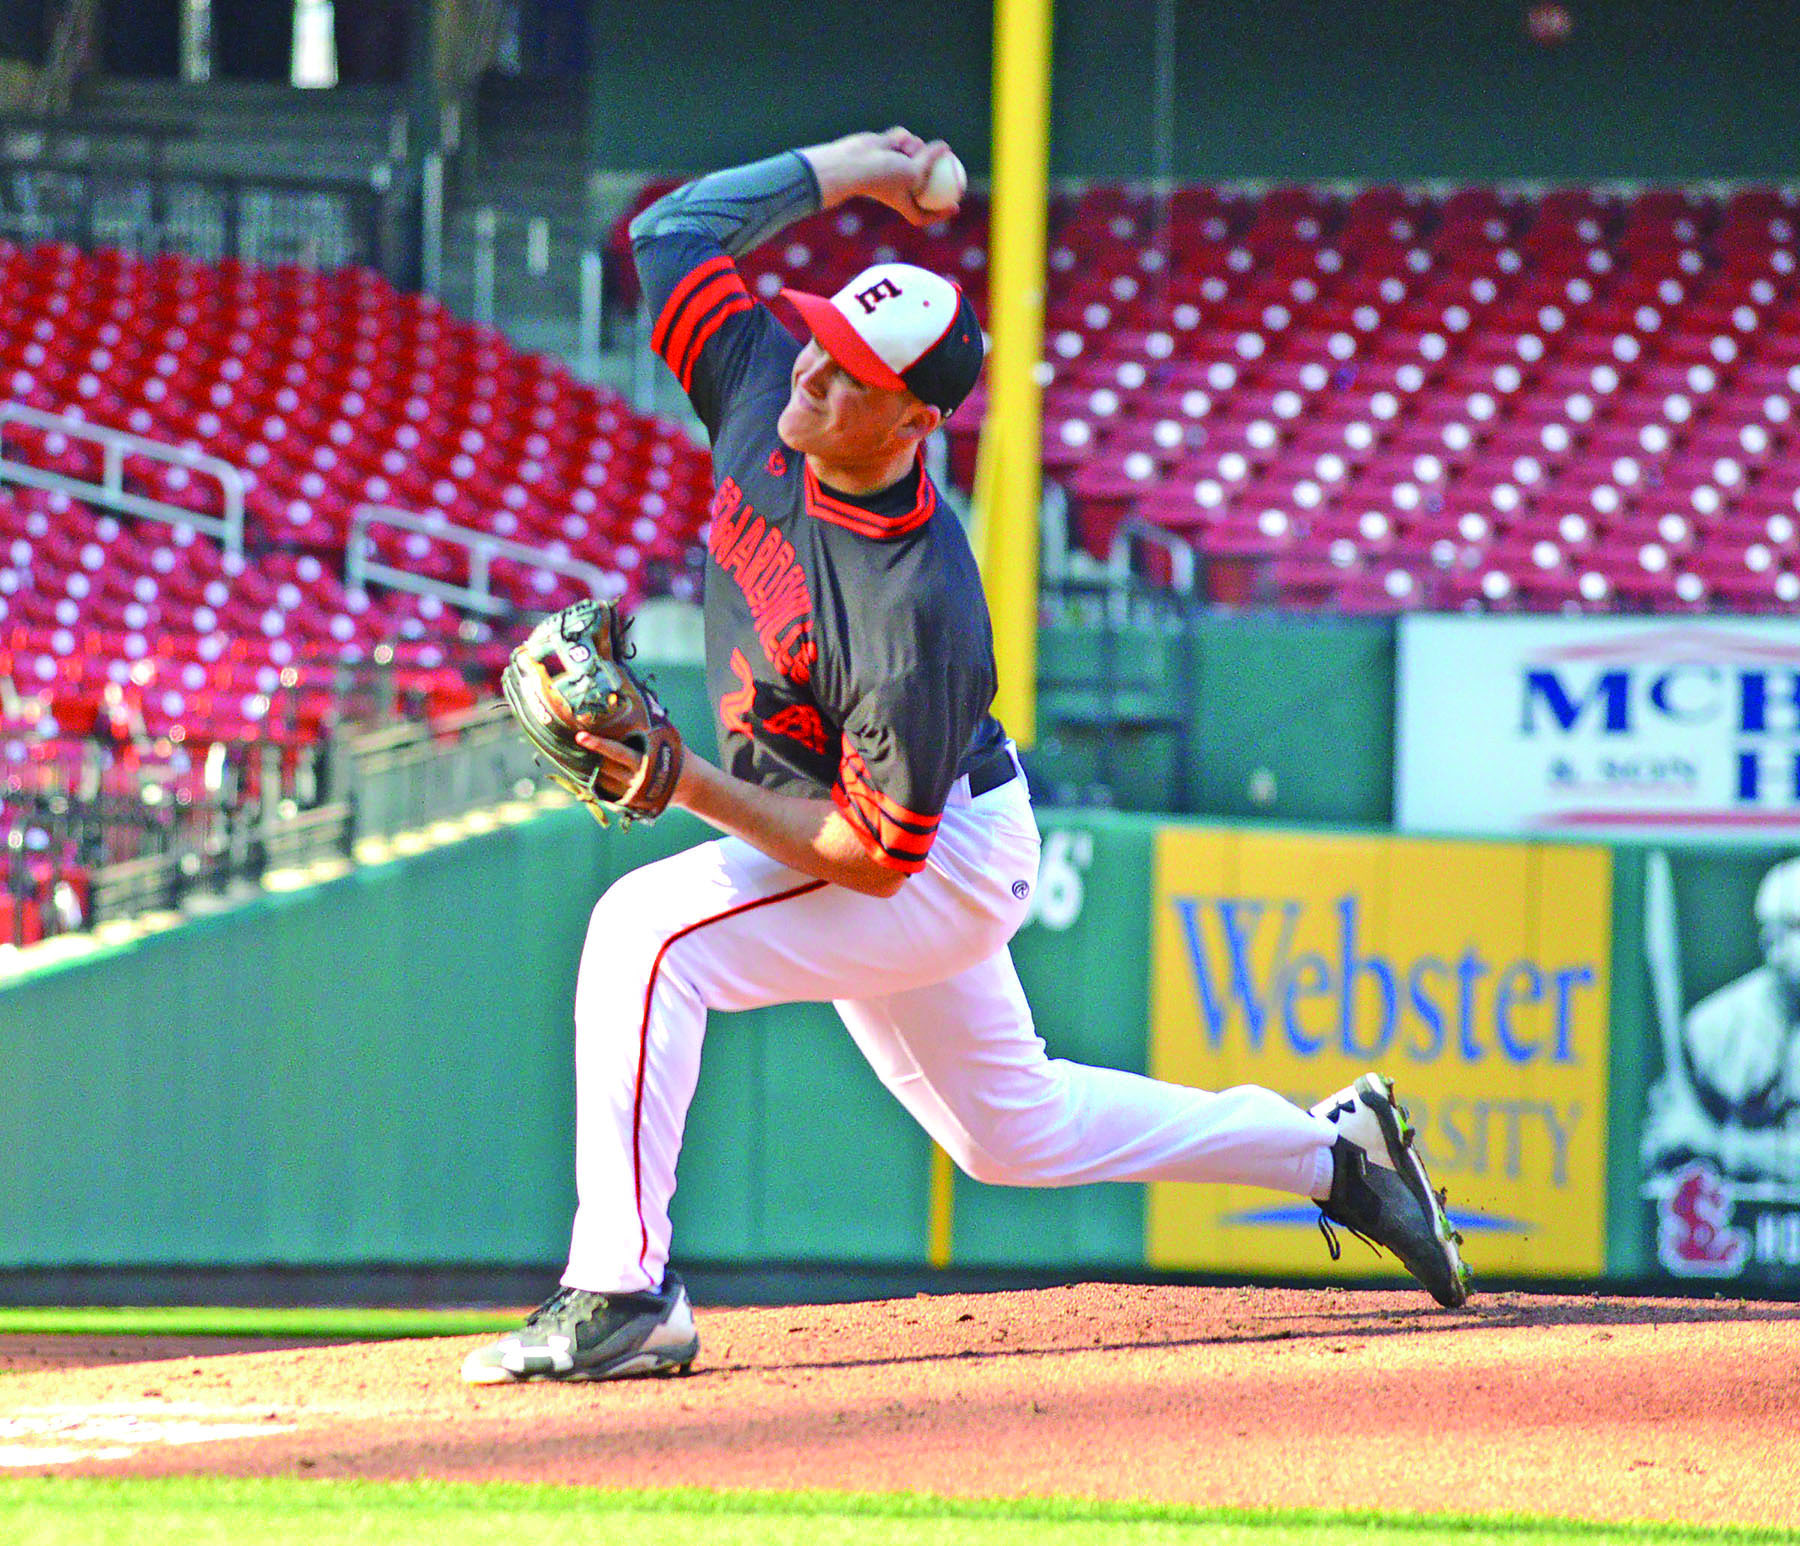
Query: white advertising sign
point(1672, 726)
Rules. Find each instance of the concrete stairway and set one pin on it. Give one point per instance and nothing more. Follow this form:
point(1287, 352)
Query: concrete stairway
point(525, 161)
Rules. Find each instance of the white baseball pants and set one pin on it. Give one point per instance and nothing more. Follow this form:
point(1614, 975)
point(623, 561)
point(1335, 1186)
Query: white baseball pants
point(926, 986)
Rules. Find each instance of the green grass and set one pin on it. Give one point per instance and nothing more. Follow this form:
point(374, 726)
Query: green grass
point(182, 1321)
point(200, 1511)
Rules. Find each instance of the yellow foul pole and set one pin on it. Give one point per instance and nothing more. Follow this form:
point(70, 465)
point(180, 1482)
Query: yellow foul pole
point(1008, 473)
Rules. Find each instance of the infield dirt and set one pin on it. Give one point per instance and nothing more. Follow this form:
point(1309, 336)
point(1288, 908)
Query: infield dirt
point(1582, 1407)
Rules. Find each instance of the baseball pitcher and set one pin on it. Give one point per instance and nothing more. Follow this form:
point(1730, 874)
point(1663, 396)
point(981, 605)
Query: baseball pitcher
point(878, 845)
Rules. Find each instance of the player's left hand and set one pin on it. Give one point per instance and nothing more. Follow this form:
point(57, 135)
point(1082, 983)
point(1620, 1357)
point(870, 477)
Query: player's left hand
point(596, 725)
point(620, 761)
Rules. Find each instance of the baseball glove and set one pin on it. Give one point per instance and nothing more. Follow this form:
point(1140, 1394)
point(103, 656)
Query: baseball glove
point(571, 674)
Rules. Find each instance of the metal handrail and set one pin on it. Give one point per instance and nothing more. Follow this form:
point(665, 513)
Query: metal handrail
point(401, 778)
point(377, 177)
point(402, 781)
point(110, 492)
point(324, 832)
point(483, 547)
point(39, 140)
point(1183, 565)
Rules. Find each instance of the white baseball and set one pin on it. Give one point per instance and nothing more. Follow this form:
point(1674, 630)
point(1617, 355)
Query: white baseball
point(945, 184)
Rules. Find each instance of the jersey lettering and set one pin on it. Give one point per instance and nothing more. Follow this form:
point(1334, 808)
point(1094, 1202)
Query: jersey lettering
point(794, 653)
point(767, 571)
point(795, 639)
point(788, 598)
point(768, 551)
point(744, 546)
point(728, 515)
point(734, 707)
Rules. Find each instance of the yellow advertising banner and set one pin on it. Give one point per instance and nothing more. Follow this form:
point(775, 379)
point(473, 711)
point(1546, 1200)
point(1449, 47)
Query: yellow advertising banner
point(1475, 974)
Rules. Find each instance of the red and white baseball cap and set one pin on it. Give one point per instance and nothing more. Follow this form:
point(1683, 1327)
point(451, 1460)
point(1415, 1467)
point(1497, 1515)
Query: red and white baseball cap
point(901, 327)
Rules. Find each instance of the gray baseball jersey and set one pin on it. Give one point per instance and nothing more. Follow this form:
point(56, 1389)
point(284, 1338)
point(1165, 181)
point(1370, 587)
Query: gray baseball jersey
point(848, 648)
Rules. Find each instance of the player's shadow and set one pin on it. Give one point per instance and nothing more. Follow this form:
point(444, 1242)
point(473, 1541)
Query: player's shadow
point(1501, 1310)
point(1494, 1312)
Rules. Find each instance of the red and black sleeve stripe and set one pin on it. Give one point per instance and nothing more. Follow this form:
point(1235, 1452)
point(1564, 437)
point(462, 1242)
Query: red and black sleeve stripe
point(894, 836)
point(696, 309)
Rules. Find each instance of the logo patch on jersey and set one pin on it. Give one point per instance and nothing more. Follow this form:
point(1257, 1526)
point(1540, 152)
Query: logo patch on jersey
point(799, 722)
point(1021, 889)
point(881, 290)
point(777, 464)
point(763, 564)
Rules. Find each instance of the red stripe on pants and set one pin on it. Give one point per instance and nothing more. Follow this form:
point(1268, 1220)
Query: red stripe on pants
point(637, 1103)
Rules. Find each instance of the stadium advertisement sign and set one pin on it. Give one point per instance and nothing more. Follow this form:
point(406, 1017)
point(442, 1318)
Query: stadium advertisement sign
point(1660, 727)
point(1475, 973)
point(1719, 1147)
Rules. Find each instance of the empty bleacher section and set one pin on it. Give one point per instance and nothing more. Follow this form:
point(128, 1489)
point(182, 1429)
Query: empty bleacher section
point(1336, 400)
point(334, 389)
point(147, 640)
point(1387, 398)
point(1480, 399)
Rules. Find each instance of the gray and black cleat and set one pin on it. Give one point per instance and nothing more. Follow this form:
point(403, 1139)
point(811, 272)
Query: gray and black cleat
point(1381, 1193)
point(577, 1335)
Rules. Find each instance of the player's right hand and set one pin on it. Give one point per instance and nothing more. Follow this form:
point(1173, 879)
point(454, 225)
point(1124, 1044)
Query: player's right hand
point(889, 167)
point(921, 156)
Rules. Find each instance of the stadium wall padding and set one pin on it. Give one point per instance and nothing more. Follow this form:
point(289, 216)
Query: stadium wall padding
point(1289, 90)
point(1285, 718)
point(377, 1071)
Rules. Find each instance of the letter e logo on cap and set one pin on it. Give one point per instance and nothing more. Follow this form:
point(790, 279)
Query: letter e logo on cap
point(881, 290)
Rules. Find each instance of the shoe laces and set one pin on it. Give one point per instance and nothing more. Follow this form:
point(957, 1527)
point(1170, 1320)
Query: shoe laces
point(1331, 1239)
point(553, 1306)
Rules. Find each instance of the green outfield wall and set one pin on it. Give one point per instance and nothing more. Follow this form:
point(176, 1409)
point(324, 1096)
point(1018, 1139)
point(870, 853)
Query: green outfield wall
point(1389, 90)
point(1254, 716)
point(377, 1070)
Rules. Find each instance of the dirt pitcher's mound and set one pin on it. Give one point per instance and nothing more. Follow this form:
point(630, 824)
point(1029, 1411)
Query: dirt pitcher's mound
point(1586, 1407)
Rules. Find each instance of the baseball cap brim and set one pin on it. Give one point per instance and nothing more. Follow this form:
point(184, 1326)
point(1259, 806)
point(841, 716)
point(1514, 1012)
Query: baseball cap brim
point(841, 341)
